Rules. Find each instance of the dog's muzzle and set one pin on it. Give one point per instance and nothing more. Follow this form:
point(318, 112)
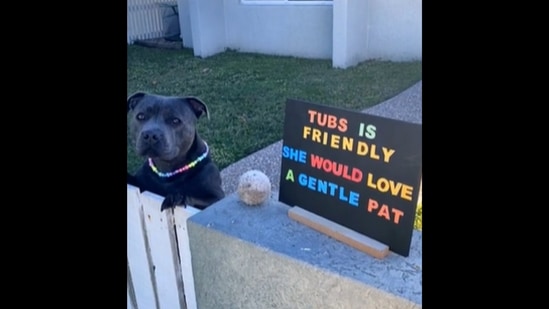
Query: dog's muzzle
point(151, 143)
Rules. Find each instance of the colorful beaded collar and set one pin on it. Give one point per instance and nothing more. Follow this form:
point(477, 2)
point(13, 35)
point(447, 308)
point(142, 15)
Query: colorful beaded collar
point(182, 169)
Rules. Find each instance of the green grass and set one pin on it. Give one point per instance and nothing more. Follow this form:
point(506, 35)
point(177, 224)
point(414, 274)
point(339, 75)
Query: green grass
point(246, 93)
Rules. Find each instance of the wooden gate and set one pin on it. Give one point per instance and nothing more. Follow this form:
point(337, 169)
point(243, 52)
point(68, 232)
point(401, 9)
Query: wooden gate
point(159, 259)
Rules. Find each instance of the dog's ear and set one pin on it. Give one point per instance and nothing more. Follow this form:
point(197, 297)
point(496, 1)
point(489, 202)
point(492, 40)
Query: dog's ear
point(134, 99)
point(199, 107)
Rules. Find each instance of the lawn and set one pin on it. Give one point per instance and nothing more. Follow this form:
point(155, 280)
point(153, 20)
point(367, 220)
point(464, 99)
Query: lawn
point(246, 93)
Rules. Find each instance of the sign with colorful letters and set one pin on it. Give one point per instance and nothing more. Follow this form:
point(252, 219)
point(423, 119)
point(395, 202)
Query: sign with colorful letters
point(355, 169)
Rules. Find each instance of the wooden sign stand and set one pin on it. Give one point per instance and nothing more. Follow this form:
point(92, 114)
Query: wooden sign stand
point(339, 232)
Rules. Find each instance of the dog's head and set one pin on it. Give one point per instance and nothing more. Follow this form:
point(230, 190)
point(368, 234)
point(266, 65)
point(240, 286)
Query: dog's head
point(163, 127)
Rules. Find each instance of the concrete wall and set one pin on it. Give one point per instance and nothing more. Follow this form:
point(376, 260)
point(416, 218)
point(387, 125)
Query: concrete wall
point(257, 257)
point(185, 23)
point(348, 32)
point(291, 30)
point(394, 29)
point(207, 27)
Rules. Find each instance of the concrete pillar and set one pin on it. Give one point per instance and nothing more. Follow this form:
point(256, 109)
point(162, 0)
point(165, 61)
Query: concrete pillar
point(207, 19)
point(257, 257)
point(350, 32)
point(185, 23)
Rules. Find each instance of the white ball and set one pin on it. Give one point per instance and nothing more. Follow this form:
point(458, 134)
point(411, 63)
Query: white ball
point(254, 187)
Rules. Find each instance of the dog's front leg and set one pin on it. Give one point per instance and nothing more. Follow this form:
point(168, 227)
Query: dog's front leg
point(132, 180)
point(172, 200)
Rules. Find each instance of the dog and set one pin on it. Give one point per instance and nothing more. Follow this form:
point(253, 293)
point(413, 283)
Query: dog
point(178, 166)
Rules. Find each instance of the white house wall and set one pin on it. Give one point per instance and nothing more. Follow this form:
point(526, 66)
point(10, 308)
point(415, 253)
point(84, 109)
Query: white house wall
point(348, 32)
point(394, 29)
point(207, 27)
point(185, 23)
point(350, 44)
point(292, 30)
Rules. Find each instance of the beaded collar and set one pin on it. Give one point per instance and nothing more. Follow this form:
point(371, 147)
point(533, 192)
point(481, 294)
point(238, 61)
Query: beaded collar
point(182, 169)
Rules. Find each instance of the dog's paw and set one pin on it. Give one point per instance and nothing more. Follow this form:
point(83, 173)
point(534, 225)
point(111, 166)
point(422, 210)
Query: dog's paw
point(132, 180)
point(173, 200)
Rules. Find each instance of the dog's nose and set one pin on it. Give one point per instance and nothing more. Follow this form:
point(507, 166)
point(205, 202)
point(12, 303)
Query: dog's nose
point(151, 137)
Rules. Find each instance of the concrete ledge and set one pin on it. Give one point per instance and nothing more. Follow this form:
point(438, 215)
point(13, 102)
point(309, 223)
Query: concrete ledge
point(257, 257)
point(406, 106)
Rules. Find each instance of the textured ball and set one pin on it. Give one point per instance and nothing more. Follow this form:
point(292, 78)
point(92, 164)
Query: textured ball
point(254, 187)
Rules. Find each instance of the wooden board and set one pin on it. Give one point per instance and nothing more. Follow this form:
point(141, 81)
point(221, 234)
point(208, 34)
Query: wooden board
point(137, 248)
point(181, 215)
point(339, 232)
point(161, 236)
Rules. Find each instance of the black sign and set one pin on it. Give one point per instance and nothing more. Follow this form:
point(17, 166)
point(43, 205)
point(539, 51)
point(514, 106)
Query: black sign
point(357, 170)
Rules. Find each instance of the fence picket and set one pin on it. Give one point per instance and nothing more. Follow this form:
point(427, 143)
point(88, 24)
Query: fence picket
point(143, 20)
point(161, 235)
point(137, 250)
point(181, 215)
point(157, 277)
point(129, 302)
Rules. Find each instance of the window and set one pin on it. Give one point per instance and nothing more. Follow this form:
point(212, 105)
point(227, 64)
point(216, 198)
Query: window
point(289, 2)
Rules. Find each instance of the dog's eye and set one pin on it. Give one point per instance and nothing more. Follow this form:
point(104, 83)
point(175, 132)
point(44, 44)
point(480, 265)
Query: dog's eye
point(175, 121)
point(140, 116)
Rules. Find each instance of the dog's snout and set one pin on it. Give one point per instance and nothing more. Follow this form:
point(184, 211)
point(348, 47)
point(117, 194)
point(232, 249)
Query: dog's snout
point(151, 137)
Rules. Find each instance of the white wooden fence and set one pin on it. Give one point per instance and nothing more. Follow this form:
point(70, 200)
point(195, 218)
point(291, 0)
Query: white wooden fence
point(144, 19)
point(159, 258)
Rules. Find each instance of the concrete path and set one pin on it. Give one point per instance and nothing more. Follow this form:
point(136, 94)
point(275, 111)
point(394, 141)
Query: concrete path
point(405, 106)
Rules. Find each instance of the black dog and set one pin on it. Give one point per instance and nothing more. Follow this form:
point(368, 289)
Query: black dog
point(179, 166)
